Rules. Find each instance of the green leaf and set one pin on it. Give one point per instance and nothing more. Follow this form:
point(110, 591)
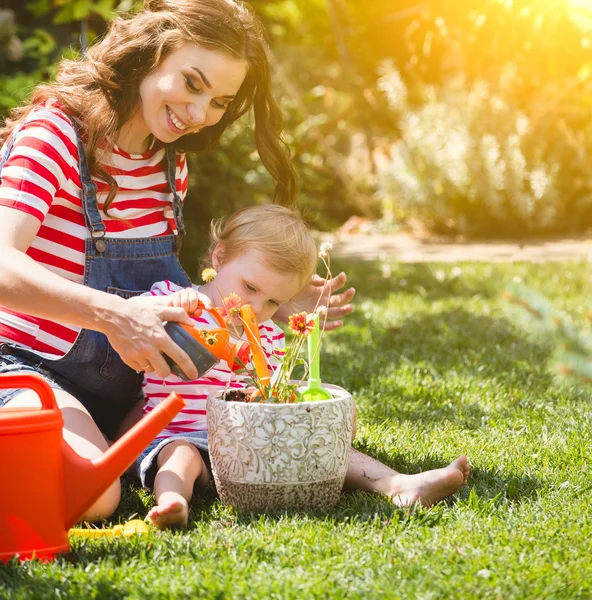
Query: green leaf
point(81, 9)
point(78, 10)
point(40, 44)
point(104, 8)
point(38, 8)
point(65, 15)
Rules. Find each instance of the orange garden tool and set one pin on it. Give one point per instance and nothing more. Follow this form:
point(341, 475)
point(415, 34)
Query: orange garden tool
point(252, 332)
point(46, 486)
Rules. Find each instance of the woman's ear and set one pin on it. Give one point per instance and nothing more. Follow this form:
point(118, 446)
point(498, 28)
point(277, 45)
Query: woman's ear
point(218, 257)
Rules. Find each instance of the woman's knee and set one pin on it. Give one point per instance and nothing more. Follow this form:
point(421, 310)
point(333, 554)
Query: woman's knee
point(80, 431)
point(84, 437)
point(106, 505)
point(132, 417)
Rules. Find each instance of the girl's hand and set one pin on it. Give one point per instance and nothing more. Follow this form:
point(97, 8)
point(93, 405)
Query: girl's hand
point(135, 329)
point(187, 298)
point(321, 293)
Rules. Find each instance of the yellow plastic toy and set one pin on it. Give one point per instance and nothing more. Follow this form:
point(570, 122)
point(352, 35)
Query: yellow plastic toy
point(133, 527)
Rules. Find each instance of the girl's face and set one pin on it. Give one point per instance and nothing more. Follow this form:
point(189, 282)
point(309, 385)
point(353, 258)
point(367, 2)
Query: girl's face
point(248, 276)
point(191, 89)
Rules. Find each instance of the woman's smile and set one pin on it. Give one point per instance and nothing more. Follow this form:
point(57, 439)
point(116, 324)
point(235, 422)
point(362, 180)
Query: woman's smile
point(176, 124)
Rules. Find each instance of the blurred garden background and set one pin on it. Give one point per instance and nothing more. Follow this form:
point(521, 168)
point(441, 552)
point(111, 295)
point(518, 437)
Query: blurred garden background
point(454, 121)
point(461, 118)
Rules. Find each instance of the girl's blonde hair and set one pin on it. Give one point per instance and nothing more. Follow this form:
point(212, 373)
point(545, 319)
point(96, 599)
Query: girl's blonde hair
point(277, 232)
point(101, 89)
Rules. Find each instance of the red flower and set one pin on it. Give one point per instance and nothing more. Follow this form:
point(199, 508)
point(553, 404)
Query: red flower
point(301, 324)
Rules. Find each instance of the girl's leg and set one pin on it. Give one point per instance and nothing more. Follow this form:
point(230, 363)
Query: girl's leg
point(180, 465)
point(85, 438)
point(368, 474)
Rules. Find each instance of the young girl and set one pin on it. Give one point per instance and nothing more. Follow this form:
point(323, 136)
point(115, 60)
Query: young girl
point(93, 178)
point(265, 255)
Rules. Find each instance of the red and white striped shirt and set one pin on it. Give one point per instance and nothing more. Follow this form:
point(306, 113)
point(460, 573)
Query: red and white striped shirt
point(41, 177)
point(195, 393)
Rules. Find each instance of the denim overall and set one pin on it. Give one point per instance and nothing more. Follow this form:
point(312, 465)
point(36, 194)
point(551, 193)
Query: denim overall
point(91, 370)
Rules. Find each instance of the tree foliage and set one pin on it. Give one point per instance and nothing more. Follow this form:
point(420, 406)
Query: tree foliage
point(347, 137)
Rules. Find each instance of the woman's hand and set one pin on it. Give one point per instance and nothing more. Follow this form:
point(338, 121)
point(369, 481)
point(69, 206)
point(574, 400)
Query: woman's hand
point(136, 332)
point(134, 327)
point(322, 293)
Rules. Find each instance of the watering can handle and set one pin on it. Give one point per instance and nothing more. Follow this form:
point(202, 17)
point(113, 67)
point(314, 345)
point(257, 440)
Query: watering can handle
point(213, 311)
point(31, 382)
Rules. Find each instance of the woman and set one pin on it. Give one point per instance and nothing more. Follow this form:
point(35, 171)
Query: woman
point(93, 179)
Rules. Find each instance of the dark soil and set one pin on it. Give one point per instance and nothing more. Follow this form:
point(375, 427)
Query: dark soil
point(236, 396)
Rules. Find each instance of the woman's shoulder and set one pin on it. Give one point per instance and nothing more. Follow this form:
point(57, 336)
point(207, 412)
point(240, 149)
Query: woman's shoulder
point(52, 114)
point(45, 137)
point(48, 121)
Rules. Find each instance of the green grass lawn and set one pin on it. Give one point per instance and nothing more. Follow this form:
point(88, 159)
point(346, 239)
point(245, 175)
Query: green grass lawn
point(438, 368)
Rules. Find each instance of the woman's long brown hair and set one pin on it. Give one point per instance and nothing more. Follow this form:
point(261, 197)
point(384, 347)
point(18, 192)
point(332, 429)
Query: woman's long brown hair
point(101, 89)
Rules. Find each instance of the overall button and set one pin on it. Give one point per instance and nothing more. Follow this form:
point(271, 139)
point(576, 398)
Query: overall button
point(101, 245)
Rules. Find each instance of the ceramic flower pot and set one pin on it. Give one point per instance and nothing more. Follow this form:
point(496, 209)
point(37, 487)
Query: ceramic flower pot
point(276, 456)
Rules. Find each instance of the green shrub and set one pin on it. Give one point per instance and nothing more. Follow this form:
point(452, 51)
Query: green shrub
point(470, 162)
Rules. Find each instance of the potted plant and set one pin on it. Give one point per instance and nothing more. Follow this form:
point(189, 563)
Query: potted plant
point(272, 447)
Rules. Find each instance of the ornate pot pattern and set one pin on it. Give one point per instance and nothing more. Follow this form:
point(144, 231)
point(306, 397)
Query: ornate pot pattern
point(273, 456)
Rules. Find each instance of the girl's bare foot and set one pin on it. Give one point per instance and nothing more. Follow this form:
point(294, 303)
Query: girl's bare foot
point(171, 511)
point(464, 465)
point(431, 486)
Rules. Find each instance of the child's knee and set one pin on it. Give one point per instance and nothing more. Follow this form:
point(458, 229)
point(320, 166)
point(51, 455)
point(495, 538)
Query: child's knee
point(178, 449)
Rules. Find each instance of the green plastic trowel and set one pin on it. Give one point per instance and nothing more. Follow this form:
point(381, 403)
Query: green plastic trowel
point(315, 390)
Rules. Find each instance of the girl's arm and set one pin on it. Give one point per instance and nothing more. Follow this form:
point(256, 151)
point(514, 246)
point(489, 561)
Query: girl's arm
point(133, 327)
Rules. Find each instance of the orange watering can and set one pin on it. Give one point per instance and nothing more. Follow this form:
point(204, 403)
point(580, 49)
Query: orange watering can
point(46, 486)
point(207, 347)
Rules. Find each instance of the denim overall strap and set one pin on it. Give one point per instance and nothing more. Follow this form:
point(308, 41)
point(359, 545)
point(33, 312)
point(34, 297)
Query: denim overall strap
point(91, 370)
point(92, 216)
point(177, 204)
point(8, 149)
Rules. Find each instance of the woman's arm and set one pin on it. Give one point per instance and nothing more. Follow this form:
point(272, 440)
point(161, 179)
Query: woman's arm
point(133, 327)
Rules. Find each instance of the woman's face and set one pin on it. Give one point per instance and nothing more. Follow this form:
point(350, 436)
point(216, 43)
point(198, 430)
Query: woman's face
point(191, 89)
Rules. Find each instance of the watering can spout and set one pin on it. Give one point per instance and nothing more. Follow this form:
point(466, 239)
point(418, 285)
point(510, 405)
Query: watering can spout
point(85, 480)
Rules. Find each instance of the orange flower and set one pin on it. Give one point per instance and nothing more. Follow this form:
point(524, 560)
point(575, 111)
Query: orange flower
point(233, 304)
point(301, 324)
